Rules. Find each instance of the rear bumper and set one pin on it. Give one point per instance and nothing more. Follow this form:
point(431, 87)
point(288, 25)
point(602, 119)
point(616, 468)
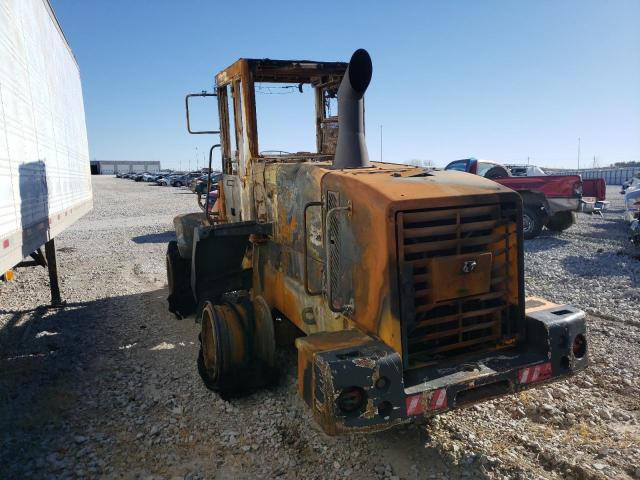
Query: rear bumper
point(391, 397)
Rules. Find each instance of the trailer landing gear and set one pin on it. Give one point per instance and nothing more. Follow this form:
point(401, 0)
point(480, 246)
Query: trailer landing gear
point(48, 260)
point(52, 266)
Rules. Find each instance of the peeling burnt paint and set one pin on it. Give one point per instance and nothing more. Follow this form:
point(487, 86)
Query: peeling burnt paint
point(367, 346)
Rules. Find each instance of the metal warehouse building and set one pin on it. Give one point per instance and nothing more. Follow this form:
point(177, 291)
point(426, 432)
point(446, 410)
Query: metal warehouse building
point(111, 167)
point(611, 175)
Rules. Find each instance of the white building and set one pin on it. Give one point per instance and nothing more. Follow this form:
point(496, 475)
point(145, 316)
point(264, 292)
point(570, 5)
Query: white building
point(111, 167)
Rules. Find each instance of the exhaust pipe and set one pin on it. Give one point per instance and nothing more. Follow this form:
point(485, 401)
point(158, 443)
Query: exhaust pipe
point(351, 151)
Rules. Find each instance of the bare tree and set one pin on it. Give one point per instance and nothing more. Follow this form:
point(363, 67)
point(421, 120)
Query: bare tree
point(418, 162)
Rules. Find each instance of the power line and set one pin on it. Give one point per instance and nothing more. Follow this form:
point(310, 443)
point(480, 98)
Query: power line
point(284, 90)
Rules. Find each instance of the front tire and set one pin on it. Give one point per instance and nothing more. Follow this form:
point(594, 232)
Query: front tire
point(180, 298)
point(532, 222)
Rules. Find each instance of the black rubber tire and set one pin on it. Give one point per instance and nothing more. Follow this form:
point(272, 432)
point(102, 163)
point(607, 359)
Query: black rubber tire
point(264, 342)
point(181, 301)
point(532, 222)
point(224, 353)
point(561, 221)
point(177, 184)
point(496, 172)
point(237, 349)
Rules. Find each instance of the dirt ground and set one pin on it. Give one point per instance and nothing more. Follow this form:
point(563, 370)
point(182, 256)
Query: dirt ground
point(107, 386)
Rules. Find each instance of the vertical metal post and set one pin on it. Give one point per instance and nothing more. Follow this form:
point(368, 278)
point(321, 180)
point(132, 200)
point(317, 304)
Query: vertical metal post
point(380, 143)
point(578, 154)
point(50, 254)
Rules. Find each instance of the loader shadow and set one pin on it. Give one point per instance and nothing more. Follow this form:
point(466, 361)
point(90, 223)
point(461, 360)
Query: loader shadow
point(34, 205)
point(164, 237)
point(601, 265)
point(64, 370)
point(55, 363)
point(545, 241)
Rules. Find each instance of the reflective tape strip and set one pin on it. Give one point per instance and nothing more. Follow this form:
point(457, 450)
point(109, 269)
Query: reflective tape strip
point(414, 406)
point(536, 373)
point(438, 399)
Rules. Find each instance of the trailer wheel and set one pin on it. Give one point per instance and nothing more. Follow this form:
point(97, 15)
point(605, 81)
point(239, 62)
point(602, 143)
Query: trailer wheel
point(181, 301)
point(532, 222)
point(561, 221)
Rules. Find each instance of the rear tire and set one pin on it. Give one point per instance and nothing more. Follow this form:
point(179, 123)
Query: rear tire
point(237, 347)
point(561, 221)
point(532, 222)
point(181, 301)
point(264, 340)
point(223, 351)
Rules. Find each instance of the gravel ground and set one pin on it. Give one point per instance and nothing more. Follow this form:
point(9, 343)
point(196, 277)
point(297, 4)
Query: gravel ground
point(107, 386)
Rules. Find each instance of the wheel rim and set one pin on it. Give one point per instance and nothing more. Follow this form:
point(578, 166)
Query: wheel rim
point(209, 341)
point(527, 223)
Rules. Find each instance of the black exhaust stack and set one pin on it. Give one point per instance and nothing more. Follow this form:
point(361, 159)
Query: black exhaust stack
point(351, 151)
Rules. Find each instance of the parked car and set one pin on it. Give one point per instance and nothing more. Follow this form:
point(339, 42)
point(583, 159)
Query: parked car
point(524, 170)
point(631, 184)
point(150, 177)
point(594, 190)
point(548, 200)
point(194, 182)
point(178, 180)
point(632, 212)
point(199, 185)
point(185, 180)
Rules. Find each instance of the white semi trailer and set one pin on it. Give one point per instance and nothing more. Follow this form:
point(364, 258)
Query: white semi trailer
point(45, 178)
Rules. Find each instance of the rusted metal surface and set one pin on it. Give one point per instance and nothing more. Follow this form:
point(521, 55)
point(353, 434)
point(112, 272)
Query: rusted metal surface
point(411, 289)
point(330, 362)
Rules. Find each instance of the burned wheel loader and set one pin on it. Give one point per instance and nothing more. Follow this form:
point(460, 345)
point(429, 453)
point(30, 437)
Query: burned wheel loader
point(405, 286)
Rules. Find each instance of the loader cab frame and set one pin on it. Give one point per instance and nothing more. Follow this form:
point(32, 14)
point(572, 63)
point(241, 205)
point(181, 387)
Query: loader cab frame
point(240, 145)
point(236, 90)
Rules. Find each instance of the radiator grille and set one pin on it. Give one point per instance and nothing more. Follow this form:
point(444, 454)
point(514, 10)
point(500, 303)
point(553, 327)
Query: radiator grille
point(435, 329)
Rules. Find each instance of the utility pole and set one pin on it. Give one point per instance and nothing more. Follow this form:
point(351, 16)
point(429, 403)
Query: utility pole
point(381, 143)
point(196, 159)
point(578, 153)
point(527, 160)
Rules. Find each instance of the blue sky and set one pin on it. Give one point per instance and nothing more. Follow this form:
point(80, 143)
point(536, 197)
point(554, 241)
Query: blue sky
point(501, 80)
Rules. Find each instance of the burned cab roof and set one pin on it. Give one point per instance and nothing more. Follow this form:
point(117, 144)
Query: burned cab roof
point(283, 71)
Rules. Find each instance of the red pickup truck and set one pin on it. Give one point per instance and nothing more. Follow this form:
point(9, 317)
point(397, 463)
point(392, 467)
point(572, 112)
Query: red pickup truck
point(548, 200)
